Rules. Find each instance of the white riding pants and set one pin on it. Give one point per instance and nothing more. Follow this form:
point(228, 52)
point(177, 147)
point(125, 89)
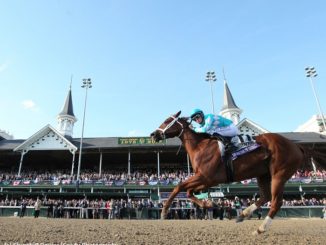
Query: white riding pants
point(228, 131)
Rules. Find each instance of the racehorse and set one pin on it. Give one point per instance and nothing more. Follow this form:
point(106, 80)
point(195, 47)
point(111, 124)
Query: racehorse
point(272, 164)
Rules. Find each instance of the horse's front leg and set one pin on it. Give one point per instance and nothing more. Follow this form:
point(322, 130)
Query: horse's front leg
point(168, 202)
point(191, 183)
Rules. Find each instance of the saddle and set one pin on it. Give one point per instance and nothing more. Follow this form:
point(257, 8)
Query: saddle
point(235, 147)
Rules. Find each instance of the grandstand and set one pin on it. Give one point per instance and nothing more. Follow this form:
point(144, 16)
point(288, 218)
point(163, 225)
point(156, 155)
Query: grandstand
point(53, 152)
point(122, 167)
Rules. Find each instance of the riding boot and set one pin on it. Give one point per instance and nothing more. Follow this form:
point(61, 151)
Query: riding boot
point(228, 145)
point(228, 148)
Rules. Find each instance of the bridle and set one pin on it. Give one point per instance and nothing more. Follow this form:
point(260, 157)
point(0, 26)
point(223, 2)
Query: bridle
point(175, 119)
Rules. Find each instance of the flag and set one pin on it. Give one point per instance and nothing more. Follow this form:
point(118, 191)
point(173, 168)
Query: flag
point(16, 182)
point(153, 182)
point(65, 182)
point(246, 182)
point(141, 182)
point(56, 182)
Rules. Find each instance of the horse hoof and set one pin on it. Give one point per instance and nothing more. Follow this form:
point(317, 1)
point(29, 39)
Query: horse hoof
point(257, 232)
point(164, 216)
point(239, 219)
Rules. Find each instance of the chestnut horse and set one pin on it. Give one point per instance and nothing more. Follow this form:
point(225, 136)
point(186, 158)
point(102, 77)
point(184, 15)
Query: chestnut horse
point(273, 163)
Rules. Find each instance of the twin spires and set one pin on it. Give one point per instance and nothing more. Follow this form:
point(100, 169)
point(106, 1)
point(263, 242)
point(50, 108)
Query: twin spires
point(66, 118)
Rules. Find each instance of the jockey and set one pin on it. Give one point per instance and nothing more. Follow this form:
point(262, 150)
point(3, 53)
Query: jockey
point(215, 125)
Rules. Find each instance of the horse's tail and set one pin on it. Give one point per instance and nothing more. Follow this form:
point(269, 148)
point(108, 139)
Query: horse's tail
point(313, 155)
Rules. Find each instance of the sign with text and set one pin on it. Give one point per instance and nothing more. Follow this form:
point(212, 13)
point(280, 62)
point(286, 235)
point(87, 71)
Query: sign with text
point(138, 191)
point(180, 195)
point(138, 141)
point(216, 194)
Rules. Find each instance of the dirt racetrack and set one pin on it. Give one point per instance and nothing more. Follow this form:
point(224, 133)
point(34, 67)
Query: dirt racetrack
point(73, 231)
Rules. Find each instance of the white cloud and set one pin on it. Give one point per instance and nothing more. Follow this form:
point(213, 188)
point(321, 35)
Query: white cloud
point(29, 105)
point(4, 66)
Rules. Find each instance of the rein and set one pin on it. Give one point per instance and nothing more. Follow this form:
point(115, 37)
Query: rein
point(175, 119)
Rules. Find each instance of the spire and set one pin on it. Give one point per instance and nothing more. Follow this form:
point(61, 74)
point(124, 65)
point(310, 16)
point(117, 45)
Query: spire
point(229, 109)
point(70, 81)
point(68, 108)
point(66, 117)
point(228, 101)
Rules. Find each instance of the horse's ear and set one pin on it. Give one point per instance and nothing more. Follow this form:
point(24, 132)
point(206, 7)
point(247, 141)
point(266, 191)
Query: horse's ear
point(177, 114)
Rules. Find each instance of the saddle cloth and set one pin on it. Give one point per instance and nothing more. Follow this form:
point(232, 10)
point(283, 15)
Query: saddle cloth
point(242, 145)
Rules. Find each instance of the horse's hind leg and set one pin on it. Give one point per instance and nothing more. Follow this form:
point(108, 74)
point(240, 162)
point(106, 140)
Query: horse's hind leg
point(276, 203)
point(190, 194)
point(264, 184)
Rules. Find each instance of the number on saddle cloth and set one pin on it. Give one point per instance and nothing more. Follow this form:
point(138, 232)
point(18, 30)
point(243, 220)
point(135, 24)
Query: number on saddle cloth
point(240, 142)
point(243, 140)
point(243, 144)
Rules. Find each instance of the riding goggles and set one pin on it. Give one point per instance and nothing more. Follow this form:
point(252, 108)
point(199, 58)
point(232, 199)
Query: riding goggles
point(195, 117)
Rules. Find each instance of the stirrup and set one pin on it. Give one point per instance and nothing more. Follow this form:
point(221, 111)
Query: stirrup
point(229, 147)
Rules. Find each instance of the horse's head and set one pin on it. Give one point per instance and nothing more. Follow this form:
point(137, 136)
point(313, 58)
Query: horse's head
point(173, 126)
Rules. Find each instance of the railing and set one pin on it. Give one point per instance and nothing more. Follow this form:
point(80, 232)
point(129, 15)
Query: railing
point(153, 213)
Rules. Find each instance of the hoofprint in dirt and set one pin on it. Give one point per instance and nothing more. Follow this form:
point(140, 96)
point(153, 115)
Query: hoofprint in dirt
point(70, 231)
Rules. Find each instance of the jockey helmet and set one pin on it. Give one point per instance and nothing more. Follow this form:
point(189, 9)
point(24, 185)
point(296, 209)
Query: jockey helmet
point(196, 112)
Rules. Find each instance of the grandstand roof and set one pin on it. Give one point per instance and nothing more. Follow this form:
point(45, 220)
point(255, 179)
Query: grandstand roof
point(9, 144)
point(48, 138)
point(96, 143)
point(113, 142)
point(305, 137)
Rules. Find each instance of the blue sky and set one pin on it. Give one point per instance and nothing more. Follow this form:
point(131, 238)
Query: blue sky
point(148, 59)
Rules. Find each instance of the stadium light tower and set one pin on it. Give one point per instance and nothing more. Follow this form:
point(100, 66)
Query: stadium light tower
point(310, 73)
point(87, 83)
point(211, 77)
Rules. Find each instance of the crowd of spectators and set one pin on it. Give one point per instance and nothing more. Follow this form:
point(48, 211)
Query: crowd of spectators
point(134, 208)
point(114, 208)
point(321, 174)
point(120, 175)
point(86, 175)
